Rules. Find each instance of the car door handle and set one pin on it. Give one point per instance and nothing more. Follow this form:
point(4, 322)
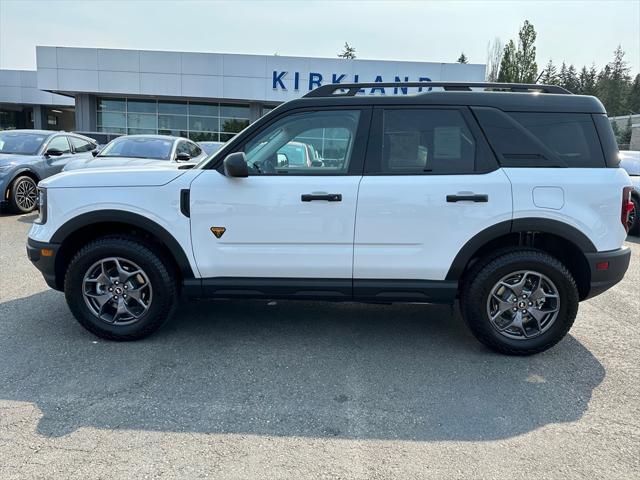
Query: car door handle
point(329, 197)
point(468, 198)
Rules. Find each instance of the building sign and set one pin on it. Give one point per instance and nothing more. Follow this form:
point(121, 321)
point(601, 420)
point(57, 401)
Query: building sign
point(314, 80)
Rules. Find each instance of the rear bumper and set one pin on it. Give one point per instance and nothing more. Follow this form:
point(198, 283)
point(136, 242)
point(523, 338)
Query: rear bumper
point(604, 278)
point(46, 264)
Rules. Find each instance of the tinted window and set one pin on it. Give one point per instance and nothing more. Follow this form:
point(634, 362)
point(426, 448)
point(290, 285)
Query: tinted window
point(21, 143)
point(183, 147)
point(419, 141)
point(570, 136)
point(59, 143)
point(290, 145)
point(80, 145)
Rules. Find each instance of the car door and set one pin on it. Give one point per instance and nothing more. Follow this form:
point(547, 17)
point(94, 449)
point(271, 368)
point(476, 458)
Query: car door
point(284, 223)
point(430, 184)
point(54, 163)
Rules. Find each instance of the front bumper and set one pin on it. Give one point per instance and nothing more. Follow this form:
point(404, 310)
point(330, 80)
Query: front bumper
point(602, 278)
point(46, 264)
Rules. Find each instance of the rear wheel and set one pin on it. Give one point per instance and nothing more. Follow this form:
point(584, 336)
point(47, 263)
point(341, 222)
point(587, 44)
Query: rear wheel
point(23, 196)
point(120, 289)
point(633, 221)
point(520, 302)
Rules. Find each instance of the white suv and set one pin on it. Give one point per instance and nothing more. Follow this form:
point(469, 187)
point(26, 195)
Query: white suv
point(506, 197)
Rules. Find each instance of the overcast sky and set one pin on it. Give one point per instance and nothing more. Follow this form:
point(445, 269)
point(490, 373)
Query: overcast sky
point(579, 32)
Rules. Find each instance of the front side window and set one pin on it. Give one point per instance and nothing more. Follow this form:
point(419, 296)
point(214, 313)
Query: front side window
point(426, 141)
point(21, 143)
point(306, 143)
point(59, 143)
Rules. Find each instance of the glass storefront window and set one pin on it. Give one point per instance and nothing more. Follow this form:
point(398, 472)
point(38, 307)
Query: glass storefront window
point(142, 106)
point(112, 119)
point(234, 111)
point(234, 125)
point(140, 120)
point(172, 122)
point(112, 104)
point(198, 121)
point(207, 124)
point(175, 108)
point(204, 109)
point(204, 136)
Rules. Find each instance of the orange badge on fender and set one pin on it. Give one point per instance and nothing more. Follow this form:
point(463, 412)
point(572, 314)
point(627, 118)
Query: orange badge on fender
point(218, 231)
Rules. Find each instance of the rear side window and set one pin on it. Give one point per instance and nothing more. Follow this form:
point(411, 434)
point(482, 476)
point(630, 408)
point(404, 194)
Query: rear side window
point(426, 141)
point(80, 145)
point(571, 136)
point(537, 139)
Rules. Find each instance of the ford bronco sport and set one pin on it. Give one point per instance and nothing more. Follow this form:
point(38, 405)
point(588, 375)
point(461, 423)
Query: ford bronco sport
point(506, 197)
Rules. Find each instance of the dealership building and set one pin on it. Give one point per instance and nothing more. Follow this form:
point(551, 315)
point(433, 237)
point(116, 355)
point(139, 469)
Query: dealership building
point(203, 96)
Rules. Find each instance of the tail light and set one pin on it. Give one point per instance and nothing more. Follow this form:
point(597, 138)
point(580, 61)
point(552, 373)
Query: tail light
point(627, 207)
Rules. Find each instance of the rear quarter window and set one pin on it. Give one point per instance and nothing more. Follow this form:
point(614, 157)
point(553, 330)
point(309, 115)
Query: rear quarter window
point(542, 139)
point(571, 136)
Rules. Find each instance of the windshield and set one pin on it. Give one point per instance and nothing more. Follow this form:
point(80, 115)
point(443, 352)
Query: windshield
point(21, 143)
point(138, 147)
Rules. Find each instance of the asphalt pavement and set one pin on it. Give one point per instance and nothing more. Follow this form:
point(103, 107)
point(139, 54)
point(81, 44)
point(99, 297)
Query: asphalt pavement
point(257, 389)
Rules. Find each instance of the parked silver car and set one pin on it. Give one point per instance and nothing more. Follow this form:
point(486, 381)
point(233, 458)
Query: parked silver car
point(28, 156)
point(142, 150)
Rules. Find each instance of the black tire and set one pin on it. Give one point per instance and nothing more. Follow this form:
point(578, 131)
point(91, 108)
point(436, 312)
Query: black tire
point(634, 227)
point(483, 276)
point(157, 269)
point(21, 186)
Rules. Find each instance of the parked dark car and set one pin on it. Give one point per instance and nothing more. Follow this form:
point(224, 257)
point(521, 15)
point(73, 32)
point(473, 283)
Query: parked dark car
point(28, 156)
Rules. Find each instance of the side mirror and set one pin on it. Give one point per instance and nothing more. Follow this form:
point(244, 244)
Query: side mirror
point(53, 152)
point(235, 165)
point(317, 163)
point(283, 160)
point(183, 157)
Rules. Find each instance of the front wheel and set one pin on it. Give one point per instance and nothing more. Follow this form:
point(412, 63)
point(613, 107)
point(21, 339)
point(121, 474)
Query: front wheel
point(521, 302)
point(120, 289)
point(23, 196)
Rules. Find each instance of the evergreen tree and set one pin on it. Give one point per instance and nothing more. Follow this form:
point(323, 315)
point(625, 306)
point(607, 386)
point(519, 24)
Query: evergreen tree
point(462, 58)
point(571, 81)
point(550, 74)
point(625, 134)
point(508, 68)
point(348, 52)
point(519, 64)
point(633, 99)
point(614, 84)
point(526, 54)
point(587, 81)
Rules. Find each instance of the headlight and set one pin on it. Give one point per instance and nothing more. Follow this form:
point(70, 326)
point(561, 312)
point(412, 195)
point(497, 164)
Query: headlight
point(42, 206)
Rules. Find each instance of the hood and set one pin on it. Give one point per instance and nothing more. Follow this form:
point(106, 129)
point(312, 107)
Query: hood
point(108, 162)
point(630, 161)
point(113, 177)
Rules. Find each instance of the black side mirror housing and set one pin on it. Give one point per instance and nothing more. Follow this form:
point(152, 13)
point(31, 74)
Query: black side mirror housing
point(53, 152)
point(183, 157)
point(235, 165)
point(95, 152)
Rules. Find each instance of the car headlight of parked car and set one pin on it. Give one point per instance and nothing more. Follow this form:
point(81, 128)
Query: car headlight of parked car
point(42, 206)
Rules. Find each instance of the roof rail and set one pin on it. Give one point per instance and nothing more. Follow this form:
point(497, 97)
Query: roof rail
point(353, 88)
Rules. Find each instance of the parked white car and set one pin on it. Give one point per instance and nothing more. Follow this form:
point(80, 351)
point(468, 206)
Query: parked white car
point(142, 151)
point(511, 202)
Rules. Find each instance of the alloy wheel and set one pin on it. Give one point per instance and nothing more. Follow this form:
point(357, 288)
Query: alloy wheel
point(26, 194)
point(523, 305)
point(117, 291)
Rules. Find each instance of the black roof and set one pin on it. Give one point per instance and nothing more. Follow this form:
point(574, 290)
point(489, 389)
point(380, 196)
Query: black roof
point(521, 97)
